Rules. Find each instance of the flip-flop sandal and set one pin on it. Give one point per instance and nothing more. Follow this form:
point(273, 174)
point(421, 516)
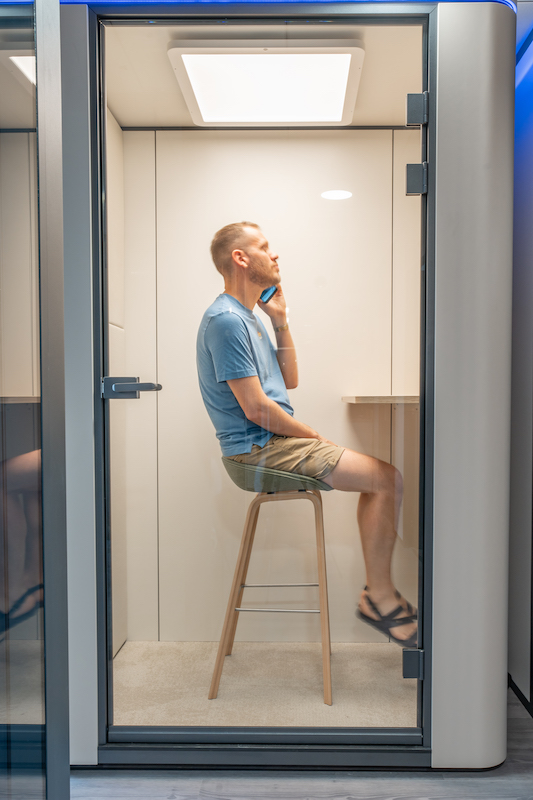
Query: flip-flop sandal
point(409, 609)
point(385, 622)
point(7, 620)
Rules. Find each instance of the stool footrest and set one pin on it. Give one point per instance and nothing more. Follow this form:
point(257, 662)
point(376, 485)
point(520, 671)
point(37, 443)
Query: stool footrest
point(284, 610)
point(273, 585)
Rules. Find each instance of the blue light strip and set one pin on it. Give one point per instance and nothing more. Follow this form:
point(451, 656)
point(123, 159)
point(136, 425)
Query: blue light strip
point(509, 3)
point(525, 47)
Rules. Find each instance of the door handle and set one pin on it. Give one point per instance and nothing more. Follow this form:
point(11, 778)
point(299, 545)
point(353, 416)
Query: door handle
point(136, 387)
point(126, 388)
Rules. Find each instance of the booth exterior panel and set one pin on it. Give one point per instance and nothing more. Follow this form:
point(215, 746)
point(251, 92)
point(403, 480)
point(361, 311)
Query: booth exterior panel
point(472, 414)
point(472, 378)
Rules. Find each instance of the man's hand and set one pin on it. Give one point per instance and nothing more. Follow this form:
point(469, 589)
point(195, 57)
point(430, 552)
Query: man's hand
point(276, 308)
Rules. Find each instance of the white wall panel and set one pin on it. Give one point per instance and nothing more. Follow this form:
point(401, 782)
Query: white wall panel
point(34, 222)
point(335, 260)
point(18, 268)
point(118, 499)
point(140, 361)
point(406, 265)
point(115, 227)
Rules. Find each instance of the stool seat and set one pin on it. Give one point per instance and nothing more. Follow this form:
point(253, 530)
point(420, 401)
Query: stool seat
point(263, 479)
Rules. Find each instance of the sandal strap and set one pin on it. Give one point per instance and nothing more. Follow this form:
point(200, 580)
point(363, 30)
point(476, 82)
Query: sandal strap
point(392, 620)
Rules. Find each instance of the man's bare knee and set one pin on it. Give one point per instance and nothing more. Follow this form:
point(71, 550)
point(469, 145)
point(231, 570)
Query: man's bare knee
point(389, 479)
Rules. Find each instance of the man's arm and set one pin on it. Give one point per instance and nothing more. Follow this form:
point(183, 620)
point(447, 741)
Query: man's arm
point(286, 356)
point(266, 413)
point(276, 309)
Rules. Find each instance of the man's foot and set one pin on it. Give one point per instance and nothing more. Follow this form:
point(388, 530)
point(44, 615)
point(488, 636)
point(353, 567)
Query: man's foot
point(392, 615)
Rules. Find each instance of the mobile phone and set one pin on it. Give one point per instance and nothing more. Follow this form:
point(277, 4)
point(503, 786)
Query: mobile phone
point(268, 294)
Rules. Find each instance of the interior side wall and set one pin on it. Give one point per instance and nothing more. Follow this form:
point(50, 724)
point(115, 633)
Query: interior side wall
point(351, 273)
point(117, 367)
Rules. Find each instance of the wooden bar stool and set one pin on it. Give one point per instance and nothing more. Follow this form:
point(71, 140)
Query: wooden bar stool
point(274, 485)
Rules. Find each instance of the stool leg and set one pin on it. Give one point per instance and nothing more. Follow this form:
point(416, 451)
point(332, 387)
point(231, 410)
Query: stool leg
point(231, 614)
point(323, 594)
point(246, 564)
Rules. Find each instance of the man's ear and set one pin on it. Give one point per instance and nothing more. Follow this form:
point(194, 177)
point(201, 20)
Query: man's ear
point(239, 258)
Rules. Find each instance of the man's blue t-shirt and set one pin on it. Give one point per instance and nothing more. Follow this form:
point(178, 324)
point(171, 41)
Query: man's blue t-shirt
point(233, 343)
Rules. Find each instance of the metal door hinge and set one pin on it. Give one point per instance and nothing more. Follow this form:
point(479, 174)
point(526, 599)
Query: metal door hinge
point(417, 179)
point(126, 388)
point(417, 109)
point(413, 664)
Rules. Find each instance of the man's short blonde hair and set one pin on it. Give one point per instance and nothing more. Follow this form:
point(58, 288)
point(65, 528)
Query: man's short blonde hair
point(225, 241)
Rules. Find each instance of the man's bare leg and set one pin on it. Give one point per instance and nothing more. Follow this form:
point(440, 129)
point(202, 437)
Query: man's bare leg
point(381, 488)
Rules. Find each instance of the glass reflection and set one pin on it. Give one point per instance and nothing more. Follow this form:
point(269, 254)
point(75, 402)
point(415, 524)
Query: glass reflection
point(21, 577)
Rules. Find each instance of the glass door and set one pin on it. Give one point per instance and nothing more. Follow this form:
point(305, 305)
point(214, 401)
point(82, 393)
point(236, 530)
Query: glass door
point(322, 195)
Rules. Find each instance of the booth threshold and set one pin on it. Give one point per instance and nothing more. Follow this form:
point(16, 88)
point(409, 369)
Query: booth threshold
point(260, 756)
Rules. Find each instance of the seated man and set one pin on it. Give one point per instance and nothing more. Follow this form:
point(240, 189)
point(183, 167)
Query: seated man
point(244, 382)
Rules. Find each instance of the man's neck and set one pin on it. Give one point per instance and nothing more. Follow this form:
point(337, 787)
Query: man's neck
point(246, 295)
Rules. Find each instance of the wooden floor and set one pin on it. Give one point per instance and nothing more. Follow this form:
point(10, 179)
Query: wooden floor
point(512, 781)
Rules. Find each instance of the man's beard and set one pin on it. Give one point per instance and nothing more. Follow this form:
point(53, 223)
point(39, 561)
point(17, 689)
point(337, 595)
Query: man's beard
point(261, 275)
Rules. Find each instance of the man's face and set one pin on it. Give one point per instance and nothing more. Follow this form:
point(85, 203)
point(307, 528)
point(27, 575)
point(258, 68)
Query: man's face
point(263, 269)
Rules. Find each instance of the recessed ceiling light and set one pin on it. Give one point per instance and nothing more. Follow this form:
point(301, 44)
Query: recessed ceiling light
point(268, 83)
point(336, 194)
point(27, 66)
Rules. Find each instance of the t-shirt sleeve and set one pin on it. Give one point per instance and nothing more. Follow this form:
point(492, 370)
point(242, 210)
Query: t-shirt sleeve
point(226, 338)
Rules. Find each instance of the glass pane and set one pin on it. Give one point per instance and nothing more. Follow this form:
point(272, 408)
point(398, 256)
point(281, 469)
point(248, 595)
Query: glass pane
point(21, 628)
point(349, 266)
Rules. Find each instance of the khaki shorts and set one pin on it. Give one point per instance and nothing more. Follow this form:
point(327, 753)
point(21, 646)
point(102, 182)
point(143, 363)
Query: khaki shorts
point(310, 457)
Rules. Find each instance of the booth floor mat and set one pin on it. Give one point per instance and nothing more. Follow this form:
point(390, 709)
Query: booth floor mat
point(274, 684)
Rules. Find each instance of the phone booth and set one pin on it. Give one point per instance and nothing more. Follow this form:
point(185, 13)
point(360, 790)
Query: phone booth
point(372, 143)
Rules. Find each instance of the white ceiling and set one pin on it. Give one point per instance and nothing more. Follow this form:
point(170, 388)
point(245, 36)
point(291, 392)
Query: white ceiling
point(142, 90)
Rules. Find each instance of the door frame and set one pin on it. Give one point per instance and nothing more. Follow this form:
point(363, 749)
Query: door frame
point(52, 377)
point(285, 747)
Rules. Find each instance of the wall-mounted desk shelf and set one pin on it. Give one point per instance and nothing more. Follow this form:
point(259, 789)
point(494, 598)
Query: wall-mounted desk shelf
point(381, 399)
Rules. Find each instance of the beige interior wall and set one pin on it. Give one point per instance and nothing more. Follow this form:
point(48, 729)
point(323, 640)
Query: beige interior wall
point(117, 367)
point(183, 515)
point(335, 260)
point(406, 272)
point(19, 279)
point(141, 419)
point(406, 252)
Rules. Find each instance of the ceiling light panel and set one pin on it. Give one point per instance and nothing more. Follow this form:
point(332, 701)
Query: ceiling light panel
point(268, 83)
